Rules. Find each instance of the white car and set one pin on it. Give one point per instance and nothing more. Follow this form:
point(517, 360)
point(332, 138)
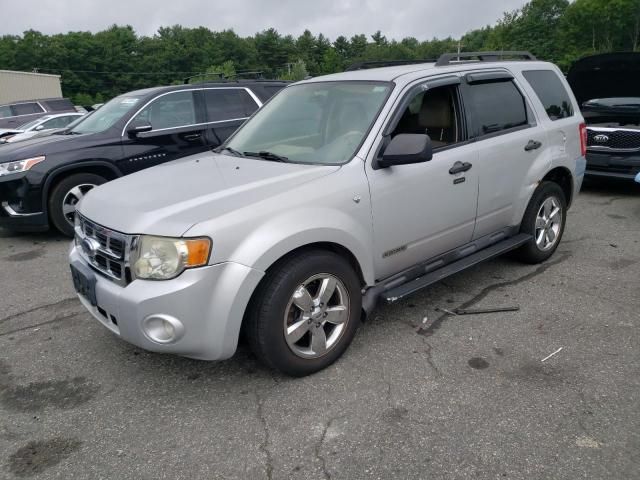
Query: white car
point(42, 126)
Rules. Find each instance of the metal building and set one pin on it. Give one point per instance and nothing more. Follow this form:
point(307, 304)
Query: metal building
point(17, 86)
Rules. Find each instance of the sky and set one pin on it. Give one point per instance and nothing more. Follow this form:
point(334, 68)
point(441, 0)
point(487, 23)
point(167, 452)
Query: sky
point(423, 19)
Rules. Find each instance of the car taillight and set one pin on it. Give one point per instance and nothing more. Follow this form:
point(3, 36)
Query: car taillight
point(583, 139)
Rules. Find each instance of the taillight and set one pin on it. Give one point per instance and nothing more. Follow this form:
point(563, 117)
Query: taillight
point(583, 139)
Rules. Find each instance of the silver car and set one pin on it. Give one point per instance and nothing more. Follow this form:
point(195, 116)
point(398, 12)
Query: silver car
point(340, 192)
point(40, 127)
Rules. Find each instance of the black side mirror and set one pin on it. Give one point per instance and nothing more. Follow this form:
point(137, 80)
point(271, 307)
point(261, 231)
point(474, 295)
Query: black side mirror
point(407, 148)
point(134, 130)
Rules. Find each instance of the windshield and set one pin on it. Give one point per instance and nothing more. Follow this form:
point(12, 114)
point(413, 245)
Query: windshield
point(107, 115)
point(319, 123)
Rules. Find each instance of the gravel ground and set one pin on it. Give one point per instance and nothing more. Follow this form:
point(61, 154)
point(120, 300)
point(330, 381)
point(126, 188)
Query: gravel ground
point(461, 397)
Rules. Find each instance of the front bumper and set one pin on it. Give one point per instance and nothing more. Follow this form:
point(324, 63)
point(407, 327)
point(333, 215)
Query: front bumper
point(209, 302)
point(21, 204)
point(613, 165)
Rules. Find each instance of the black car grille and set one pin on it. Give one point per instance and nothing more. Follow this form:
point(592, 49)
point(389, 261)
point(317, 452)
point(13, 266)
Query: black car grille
point(613, 139)
point(109, 258)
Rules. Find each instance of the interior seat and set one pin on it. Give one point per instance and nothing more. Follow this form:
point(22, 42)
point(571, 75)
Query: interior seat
point(436, 117)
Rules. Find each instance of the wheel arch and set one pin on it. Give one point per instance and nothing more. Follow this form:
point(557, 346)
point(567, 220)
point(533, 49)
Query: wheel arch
point(563, 177)
point(98, 167)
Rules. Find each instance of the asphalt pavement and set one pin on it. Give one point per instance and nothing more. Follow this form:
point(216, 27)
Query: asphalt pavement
point(419, 394)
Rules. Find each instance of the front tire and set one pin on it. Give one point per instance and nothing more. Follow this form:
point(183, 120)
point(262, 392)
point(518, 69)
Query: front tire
point(64, 197)
point(305, 313)
point(544, 219)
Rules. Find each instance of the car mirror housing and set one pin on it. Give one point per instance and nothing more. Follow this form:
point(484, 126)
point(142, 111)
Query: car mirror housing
point(134, 130)
point(405, 149)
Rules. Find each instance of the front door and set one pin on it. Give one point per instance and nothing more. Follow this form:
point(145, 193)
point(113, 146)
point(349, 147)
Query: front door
point(177, 130)
point(423, 210)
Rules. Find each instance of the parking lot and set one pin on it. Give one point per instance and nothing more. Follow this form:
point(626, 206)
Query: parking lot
point(419, 394)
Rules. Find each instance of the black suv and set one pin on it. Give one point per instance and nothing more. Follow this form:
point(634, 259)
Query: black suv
point(42, 179)
point(607, 86)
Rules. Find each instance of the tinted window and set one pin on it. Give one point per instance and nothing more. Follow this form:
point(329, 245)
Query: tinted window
point(58, 122)
point(497, 106)
point(228, 104)
point(59, 105)
point(27, 108)
point(5, 112)
point(551, 93)
point(169, 111)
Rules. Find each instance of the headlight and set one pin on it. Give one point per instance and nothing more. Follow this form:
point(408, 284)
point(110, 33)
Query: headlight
point(161, 258)
point(19, 166)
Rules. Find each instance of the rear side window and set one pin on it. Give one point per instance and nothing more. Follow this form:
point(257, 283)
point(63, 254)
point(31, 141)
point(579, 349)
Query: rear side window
point(59, 105)
point(5, 112)
point(551, 92)
point(228, 104)
point(496, 106)
point(26, 109)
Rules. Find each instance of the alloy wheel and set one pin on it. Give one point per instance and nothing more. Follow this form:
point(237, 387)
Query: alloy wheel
point(548, 223)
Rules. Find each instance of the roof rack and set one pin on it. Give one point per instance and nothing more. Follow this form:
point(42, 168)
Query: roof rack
point(449, 58)
point(383, 63)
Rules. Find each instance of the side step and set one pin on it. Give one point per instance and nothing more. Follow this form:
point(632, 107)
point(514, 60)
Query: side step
point(396, 293)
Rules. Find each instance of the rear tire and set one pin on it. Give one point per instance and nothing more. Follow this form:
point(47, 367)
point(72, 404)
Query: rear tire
point(305, 313)
point(66, 194)
point(544, 219)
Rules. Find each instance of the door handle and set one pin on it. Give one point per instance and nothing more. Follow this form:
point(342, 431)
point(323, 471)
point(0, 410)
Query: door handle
point(192, 136)
point(532, 145)
point(460, 167)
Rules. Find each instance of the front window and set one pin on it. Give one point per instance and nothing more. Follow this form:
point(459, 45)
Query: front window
point(107, 115)
point(32, 123)
point(172, 110)
point(318, 123)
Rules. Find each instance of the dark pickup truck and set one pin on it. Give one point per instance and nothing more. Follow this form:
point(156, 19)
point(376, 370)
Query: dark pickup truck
point(607, 86)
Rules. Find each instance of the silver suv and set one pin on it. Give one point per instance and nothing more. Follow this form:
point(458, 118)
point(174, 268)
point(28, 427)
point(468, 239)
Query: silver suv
point(341, 191)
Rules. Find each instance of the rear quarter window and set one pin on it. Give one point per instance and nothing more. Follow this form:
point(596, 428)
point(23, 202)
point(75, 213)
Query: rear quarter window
point(551, 92)
point(59, 105)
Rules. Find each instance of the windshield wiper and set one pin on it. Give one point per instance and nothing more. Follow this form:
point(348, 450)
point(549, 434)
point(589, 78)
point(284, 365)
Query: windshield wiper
point(273, 157)
point(228, 149)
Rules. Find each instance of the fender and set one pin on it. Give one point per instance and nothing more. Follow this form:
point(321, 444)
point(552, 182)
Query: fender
point(295, 229)
point(53, 174)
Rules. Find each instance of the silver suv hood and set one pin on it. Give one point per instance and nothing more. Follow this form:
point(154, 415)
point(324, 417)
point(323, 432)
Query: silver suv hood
point(169, 199)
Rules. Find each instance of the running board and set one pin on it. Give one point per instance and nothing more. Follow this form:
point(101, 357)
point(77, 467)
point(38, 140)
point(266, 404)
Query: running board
point(396, 293)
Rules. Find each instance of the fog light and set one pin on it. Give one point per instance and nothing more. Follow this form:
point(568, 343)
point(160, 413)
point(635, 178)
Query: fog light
point(161, 328)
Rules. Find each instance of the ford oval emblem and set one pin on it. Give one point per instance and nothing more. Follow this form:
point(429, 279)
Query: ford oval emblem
point(90, 247)
point(602, 138)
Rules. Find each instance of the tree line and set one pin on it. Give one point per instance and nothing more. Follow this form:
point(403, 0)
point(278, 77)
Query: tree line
point(99, 66)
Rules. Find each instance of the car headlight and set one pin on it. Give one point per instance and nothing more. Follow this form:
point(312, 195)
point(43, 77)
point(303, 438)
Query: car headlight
point(19, 166)
point(161, 258)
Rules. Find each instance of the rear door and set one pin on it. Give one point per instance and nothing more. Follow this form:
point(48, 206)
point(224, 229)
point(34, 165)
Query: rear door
point(178, 128)
point(509, 141)
point(227, 108)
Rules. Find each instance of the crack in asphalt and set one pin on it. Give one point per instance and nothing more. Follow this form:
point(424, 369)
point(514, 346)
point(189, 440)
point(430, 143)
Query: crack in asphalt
point(37, 325)
point(59, 303)
point(318, 448)
point(430, 361)
point(264, 446)
point(437, 323)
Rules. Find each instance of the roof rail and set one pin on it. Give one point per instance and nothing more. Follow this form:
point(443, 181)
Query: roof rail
point(383, 63)
point(449, 58)
point(221, 77)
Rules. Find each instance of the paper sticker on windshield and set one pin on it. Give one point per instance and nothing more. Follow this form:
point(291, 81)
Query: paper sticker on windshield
point(379, 89)
point(129, 101)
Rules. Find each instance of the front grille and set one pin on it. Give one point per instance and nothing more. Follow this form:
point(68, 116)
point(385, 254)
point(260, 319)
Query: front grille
point(108, 255)
point(613, 139)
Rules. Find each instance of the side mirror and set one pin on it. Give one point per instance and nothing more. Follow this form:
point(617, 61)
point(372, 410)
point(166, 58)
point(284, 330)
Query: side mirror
point(405, 149)
point(134, 130)
point(39, 128)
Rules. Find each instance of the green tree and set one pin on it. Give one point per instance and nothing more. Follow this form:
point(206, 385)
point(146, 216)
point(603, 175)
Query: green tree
point(298, 71)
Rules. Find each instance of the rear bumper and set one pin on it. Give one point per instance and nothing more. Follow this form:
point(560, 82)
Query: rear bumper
point(613, 165)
